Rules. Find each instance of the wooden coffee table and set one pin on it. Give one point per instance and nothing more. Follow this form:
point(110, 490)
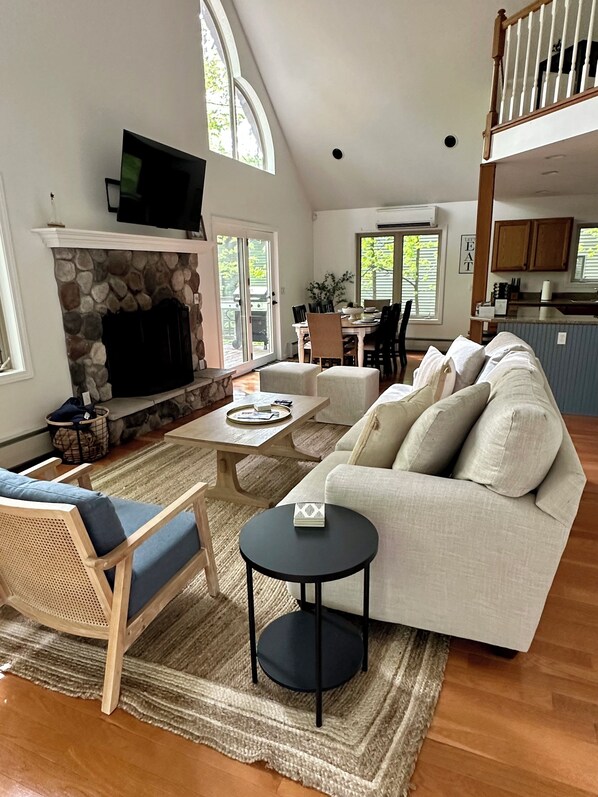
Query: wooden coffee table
point(233, 442)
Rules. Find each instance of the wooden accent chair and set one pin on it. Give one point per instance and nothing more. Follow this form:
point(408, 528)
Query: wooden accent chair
point(377, 346)
point(327, 341)
point(122, 561)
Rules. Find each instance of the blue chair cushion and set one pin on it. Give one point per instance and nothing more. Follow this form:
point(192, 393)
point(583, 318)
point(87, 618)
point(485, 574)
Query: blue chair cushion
point(96, 510)
point(162, 556)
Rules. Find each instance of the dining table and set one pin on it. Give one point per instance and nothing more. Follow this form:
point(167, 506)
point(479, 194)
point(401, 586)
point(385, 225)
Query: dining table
point(358, 328)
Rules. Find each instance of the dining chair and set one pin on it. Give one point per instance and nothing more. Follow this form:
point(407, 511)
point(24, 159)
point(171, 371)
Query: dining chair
point(327, 307)
point(400, 345)
point(315, 307)
point(376, 345)
point(393, 332)
point(81, 563)
point(327, 341)
point(299, 313)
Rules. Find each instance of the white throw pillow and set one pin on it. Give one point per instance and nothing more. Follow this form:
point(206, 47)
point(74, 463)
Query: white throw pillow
point(436, 437)
point(386, 427)
point(508, 340)
point(493, 359)
point(468, 358)
point(438, 371)
point(511, 360)
point(512, 446)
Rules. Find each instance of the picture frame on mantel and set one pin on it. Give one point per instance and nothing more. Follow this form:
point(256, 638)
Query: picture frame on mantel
point(195, 235)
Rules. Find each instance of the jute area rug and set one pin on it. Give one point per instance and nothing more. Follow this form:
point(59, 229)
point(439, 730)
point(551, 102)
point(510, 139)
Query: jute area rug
point(190, 671)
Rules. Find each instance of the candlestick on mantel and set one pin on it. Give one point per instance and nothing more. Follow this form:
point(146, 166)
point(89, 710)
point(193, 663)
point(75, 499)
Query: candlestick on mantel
point(54, 213)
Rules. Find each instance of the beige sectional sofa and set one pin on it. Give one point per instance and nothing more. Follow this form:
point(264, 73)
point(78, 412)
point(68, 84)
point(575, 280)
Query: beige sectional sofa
point(458, 556)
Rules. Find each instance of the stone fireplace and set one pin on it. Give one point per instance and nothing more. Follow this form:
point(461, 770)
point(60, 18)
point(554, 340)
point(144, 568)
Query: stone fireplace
point(125, 283)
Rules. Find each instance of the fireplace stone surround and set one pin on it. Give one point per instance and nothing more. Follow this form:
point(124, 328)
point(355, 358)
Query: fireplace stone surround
point(94, 281)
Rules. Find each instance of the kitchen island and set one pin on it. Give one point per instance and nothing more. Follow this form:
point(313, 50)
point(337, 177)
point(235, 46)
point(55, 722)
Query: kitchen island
point(567, 347)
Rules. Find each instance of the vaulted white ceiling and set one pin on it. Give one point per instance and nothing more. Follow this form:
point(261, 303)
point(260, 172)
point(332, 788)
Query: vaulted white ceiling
point(383, 80)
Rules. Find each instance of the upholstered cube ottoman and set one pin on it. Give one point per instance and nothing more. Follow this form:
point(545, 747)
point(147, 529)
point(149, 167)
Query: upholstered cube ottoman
point(298, 379)
point(351, 392)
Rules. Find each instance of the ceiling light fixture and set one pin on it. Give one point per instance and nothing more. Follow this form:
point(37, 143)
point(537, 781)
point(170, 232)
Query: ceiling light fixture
point(547, 174)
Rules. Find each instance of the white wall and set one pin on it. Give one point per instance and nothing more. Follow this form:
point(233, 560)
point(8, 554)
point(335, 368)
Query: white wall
point(583, 209)
point(335, 250)
point(75, 73)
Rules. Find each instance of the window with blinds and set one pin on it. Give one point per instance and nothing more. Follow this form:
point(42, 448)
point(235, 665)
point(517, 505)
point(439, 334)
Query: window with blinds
point(586, 260)
point(398, 266)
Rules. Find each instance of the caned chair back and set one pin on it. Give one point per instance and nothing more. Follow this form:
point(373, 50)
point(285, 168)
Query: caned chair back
point(325, 333)
point(299, 313)
point(42, 574)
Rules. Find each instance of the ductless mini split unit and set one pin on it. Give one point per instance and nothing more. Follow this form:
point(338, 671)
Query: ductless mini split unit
point(410, 216)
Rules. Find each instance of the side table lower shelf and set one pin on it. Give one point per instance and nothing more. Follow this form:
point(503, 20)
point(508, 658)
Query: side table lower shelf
point(287, 653)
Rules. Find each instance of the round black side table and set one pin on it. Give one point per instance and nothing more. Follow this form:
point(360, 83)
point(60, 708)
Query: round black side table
point(309, 650)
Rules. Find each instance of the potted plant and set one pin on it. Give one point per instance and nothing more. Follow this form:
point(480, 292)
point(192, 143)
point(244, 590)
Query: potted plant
point(331, 288)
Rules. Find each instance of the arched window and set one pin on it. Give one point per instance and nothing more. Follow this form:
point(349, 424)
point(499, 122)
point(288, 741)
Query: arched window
point(237, 123)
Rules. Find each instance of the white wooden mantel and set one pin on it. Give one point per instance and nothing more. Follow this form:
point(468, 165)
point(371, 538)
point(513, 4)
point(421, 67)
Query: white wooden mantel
point(65, 238)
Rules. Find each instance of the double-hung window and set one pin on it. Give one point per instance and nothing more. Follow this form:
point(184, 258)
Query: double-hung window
point(398, 266)
point(585, 269)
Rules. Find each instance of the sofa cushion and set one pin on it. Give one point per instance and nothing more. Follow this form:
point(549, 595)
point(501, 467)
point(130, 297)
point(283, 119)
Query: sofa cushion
point(468, 359)
point(393, 393)
point(512, 446)
point(437, 371)
point(386, 428)
point(156, 561)
point(436, 437)
point(512, 361)
point(96, 510)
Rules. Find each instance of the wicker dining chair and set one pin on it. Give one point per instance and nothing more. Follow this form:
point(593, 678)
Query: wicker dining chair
point(327, 341)
point(78, 562)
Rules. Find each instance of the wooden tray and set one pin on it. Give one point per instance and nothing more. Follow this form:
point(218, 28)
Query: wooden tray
point(283, 414)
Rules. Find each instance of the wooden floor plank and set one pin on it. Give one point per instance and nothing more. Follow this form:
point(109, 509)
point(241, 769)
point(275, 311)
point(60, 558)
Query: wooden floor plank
point(524, 727)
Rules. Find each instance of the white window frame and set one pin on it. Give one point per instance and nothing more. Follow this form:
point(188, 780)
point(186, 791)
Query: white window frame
point(579, 284)
point(443, 235)
point(237, 81)
point(10, 303)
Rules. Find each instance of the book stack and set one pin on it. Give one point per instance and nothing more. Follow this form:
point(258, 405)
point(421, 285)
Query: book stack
point(309, 514)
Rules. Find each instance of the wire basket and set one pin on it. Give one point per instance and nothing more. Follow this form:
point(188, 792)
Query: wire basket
point(83, 441)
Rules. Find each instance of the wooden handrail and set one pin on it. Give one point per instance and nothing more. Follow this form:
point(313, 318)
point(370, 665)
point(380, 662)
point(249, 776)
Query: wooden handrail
point(525, 12)
point(498, 49)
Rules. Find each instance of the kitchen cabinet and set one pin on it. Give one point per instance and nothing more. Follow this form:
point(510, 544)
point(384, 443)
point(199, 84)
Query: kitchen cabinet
point(532, 245)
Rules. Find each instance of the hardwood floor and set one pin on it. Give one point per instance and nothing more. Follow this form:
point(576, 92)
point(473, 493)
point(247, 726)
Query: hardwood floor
point(525, 727)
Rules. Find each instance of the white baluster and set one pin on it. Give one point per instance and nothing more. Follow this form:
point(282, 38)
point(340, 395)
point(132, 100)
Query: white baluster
point(589, 39)
point(526, 66)
point(557, 82)
point(515, 69)
point(573, 71)
point(505, 84)
point(537, 88)
point(554, 7)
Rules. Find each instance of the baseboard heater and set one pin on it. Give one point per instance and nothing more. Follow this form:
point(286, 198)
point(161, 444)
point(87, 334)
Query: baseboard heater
point(11, 441)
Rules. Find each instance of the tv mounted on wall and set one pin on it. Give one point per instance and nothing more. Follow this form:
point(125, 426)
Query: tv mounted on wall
point(159, 186)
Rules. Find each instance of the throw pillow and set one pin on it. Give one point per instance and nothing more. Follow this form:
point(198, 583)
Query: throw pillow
point(513, 444)
point(386, 427)
point(506, 339)
point(436, 437)
point(513, 359)
point(497, 356)
point(468, 359)
point(437, 371)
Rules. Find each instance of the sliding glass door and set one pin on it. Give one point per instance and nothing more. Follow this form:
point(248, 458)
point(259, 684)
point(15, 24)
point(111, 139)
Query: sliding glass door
point(247, 297)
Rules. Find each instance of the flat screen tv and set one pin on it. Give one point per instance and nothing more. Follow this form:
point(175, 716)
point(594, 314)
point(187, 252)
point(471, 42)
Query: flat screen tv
point(159, 186)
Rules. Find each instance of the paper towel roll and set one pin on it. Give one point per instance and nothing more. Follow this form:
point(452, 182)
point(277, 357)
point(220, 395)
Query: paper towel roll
point(546, 291)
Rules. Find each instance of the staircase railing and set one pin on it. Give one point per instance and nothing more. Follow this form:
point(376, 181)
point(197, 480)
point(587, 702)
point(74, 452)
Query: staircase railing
point(544, 57)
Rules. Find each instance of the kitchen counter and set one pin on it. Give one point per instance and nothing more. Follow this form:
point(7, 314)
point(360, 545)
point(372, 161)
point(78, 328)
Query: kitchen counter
point(539, 315)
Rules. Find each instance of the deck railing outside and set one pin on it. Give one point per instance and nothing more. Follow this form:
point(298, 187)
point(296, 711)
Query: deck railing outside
point(544, 56)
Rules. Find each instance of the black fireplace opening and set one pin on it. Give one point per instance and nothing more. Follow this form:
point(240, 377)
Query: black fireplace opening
point(148, 351)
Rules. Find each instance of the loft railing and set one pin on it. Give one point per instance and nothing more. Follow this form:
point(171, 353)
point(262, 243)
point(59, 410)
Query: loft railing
point(544, 57)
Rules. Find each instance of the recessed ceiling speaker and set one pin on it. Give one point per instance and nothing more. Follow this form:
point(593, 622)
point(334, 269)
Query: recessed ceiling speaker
point(337, 154)
point(450, 141)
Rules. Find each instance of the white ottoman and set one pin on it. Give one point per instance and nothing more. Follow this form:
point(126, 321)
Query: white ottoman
point(351, 392)
point(298, 379)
